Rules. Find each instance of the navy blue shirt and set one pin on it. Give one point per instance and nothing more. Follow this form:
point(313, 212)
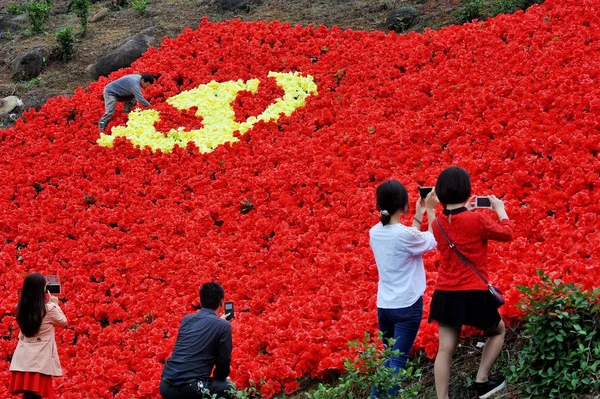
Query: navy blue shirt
point(203, 342)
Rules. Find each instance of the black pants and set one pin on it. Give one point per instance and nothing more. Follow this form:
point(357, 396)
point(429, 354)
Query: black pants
point(196, 389)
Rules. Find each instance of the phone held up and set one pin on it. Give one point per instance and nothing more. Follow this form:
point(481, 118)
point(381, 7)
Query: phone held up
point(483, 202)
point(229, 310)
point(424, 191)
point(53, 285)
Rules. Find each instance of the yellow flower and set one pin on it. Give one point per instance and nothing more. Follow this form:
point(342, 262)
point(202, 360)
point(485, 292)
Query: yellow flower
point(213, 101)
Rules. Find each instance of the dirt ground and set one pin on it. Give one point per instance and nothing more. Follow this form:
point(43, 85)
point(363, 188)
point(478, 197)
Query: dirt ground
point(173, 16)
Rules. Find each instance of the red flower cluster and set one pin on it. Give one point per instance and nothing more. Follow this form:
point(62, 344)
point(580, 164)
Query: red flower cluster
point(281, 218)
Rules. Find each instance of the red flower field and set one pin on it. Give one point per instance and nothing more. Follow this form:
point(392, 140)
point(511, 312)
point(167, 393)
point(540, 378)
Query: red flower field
point(281, 217)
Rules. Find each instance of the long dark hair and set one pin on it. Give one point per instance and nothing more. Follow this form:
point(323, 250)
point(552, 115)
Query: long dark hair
point(31, 308)
point(391, 196)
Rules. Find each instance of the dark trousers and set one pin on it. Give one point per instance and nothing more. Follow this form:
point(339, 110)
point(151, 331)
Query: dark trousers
point(196, 389)
point(402, 325)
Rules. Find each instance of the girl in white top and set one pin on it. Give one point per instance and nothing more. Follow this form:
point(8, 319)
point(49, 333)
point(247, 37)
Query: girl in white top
point(398, 251)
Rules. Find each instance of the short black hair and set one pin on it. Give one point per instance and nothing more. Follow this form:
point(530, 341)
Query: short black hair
point(391, 196)
point(453, 186)
point(148, 78)
point(211, 295)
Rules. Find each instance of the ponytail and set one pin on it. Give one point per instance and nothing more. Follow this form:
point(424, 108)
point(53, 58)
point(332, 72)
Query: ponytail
point(391, 197)
point(385, 217)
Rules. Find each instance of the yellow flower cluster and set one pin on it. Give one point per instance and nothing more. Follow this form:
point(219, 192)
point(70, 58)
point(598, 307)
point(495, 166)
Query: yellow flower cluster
point(214, 101)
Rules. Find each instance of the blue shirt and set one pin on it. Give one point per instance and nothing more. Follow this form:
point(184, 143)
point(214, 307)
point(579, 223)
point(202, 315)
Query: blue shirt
point(203, 342)
point(127, 86)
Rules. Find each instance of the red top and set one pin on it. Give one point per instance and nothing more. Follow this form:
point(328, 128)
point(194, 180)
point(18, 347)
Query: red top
point(470, 232)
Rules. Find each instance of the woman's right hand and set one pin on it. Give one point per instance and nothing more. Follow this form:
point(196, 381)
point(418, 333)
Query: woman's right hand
point(431, 201)
point(496, 203)
point(420, 208)
point(498, 207)
point(53, 299)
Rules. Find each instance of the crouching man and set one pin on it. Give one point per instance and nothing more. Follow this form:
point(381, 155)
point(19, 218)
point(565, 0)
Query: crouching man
point(203, 344)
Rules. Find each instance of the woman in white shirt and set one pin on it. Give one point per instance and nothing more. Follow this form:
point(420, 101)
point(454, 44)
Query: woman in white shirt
point(398, 251)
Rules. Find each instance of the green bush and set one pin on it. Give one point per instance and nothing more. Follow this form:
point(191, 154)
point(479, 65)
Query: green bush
point(366, 371)
point(37, 13)
point(65, 39)
point(510, 6)
point(81, 8)
point(15, 9)
point(118, 4)
point(140, 6)
point(562, 356)
point(469, 10)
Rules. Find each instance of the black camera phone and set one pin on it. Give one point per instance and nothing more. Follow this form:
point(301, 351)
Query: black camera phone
point(424, 191)
point(483, 202)
point(229, 310)
point(53, 285)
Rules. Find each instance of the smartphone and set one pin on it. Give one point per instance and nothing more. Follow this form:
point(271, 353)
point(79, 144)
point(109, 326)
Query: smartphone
point(53, 285)
point(229, 310)
point(424, 191)
point(483, 202)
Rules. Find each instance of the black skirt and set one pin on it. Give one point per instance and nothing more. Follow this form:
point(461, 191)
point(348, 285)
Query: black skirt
point(469, 308)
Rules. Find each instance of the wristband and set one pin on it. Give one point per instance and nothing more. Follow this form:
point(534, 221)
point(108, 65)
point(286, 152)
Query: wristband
point(417, 220)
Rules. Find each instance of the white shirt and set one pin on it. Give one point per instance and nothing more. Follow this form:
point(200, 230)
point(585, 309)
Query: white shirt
point(398, 251)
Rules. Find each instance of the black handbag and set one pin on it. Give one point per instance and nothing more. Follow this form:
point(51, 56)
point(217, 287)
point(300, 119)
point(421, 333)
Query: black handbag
point(494, 291)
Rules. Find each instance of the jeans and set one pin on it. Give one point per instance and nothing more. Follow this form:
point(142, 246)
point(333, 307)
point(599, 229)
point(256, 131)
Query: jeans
point(194, 389)
point(402, 325)
point(110, 103)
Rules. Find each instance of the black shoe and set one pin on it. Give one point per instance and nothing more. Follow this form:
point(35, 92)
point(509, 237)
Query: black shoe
point(490, 387)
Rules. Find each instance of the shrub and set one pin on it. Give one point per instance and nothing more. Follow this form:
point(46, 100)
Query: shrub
point(15, 9)
point(469, 10)
point(562, 356)
point(140, 6)
point(366, 371)
point(117, 4)
point(65, 40)
point(37, 13)
point(81, 8)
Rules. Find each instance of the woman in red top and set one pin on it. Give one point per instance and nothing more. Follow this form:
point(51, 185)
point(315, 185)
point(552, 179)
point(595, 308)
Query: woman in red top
point(461, 297)
point(35, 360)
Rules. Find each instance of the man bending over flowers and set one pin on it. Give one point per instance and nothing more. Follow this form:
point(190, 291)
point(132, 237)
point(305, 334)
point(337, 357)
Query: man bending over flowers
point(203, 344)
point(126, 89)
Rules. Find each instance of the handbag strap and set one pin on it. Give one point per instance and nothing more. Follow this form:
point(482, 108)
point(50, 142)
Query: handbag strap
point(460, 255)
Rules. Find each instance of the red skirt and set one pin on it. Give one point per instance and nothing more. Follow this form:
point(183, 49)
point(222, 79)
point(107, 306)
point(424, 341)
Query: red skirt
point(38, 383)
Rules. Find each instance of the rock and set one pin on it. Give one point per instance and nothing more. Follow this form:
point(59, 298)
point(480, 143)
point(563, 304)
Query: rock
point(236, 5)
point(8, 25)
point(29, 65)
point(34, 98)
point(402, 19)
point(126, 52)
point(99, 15)
point(20, 19)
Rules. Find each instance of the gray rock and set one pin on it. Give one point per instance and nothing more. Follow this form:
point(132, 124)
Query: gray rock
point(99, 15)
point(402, 19)
point(236, 5)
point(126, 52)
point(29, 65)
point(20, 19)
point(8, 25)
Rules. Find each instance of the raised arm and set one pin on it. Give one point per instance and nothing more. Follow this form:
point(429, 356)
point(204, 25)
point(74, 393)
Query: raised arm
point(223, 362)
point(55, 313)
point(498, 231)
